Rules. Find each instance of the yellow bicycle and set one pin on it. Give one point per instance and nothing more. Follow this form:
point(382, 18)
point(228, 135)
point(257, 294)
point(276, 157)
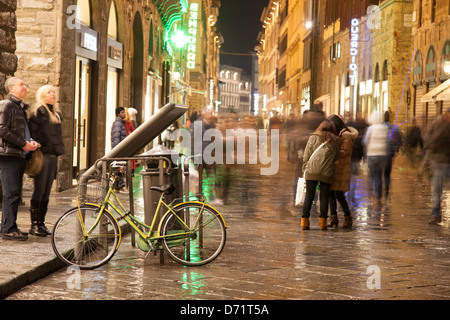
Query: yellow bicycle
point(88, 235)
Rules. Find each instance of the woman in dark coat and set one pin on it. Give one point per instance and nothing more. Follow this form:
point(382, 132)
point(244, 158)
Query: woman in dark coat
point(45, 121)
point(342, 174)
point(319, 170)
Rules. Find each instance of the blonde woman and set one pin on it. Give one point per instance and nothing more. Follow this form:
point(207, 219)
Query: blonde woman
point(45, 120)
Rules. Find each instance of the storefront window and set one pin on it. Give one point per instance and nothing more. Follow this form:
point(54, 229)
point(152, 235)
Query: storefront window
point(84, 12)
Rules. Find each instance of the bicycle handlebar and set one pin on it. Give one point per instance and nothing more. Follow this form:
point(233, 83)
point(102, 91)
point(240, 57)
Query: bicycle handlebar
point(169, 163)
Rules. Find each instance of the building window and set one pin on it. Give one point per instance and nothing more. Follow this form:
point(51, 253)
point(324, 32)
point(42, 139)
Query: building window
point(419, 15)
point(335, 51)
point(433, 10)
point(430, 67)
point(307, 55)
point(445, 56)
point(417, 71)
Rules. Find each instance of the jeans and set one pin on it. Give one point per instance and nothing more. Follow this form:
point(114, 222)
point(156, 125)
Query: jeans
point(11, 175)
point(340, 196)
point(309, 198)
point(44, 181)
point(387, 173)
point(376, 166)
point(441, 173)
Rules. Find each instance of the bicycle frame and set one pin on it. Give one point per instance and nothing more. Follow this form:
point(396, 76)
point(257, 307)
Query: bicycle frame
point(135, 223)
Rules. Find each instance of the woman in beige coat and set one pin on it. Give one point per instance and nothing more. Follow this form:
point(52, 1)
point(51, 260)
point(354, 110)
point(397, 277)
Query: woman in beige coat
point(342, 175)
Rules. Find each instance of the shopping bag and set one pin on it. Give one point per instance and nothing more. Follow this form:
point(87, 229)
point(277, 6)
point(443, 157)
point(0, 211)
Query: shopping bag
point(193, 180)
point(301, 191)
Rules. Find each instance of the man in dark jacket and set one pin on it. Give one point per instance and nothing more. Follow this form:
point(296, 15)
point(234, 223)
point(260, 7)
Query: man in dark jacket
point(436, 141)
point(15, 144)
point(118, 133)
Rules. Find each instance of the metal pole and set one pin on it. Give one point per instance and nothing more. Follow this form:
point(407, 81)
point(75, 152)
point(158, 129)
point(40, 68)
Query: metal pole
point(161, 182)
point(130, 194)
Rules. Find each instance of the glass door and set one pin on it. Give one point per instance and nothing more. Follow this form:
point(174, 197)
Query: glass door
point(81, 117)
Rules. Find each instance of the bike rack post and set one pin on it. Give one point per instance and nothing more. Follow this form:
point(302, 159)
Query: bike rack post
point(161, 182)
point(130, 195)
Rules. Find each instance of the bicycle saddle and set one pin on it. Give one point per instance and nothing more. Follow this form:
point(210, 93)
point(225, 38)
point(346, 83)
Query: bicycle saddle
point(167, 188)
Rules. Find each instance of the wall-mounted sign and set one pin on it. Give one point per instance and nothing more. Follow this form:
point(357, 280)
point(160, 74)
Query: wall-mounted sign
point(88, 41)
point(115, 54)
point(354, 38)
point(87, 45)
point(192, 35)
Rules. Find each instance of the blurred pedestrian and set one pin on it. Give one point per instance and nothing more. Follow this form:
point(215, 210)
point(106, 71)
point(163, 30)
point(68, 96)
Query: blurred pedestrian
point(360, 124)
point(375, 141)
point(223, 170)
point(132, 116)
point(319, 159)
point(119, 133)
point(358, 147)
point(129, 128)
point(15, 145)
point(414, 142)
point(289, 126)
point(436, 141)
point(45, 121)
point(394, 142)
point(342, 174)
point(275, 121)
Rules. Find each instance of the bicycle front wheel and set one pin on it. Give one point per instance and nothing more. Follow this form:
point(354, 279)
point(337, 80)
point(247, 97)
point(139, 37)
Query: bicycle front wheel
point(83, 239)
point(197, 241)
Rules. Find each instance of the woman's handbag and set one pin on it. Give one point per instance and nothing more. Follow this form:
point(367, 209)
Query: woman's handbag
point(301, 182)
point(35, 163)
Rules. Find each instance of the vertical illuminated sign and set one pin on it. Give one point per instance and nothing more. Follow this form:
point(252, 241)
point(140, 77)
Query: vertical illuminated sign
point(192, 35)
point(211, 92)
point(354, 38)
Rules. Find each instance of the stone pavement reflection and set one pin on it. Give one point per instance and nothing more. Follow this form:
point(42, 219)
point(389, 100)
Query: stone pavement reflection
point(268, 257)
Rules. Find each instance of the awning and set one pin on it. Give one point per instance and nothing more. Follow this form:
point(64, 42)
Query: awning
point(170, 11)
point(441, 92)
point(444, 95)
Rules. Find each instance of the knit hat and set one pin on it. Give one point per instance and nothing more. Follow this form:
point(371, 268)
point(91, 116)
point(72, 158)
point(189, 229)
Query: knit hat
point(338, 123)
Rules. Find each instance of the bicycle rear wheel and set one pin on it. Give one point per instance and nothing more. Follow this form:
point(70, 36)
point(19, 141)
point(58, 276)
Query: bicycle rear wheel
point(202, 242)
point(91, 249)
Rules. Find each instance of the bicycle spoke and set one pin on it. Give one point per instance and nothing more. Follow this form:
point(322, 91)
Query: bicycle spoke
point(205, 240)
point(85, 249)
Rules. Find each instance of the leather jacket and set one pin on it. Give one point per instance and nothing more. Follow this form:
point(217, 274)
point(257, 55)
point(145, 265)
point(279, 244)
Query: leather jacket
point(12, 126)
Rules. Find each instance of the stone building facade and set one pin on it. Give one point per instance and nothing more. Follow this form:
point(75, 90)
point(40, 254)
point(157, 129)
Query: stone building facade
point(348, 56)
point(8, 60)
point(365, 60)
point(431, 42)
point(268, 58)
point(109, 53)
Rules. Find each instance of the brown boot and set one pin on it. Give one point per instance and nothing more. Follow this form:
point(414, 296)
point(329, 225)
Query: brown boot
point(305, 224)
point(348, 222)
point(334, 221)
point(323, 223)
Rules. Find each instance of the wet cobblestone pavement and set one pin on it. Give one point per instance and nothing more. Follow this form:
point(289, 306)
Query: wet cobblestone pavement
point(390, 254)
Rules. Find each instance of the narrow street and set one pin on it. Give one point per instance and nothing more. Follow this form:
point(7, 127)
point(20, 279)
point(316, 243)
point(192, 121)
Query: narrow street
point(391, 253)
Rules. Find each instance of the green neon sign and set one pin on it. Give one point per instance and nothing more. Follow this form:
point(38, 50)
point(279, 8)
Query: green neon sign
point(192, 35)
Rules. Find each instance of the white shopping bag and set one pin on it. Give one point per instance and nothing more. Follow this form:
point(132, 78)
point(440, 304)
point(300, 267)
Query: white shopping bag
point(301, 191)
point(193, 180)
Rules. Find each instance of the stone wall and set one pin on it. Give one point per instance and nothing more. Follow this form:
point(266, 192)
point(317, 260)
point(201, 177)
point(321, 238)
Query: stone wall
point(36, 43)
point(8, 60)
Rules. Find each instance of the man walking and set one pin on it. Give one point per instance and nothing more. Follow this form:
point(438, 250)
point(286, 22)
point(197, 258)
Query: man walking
point(15, 144)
